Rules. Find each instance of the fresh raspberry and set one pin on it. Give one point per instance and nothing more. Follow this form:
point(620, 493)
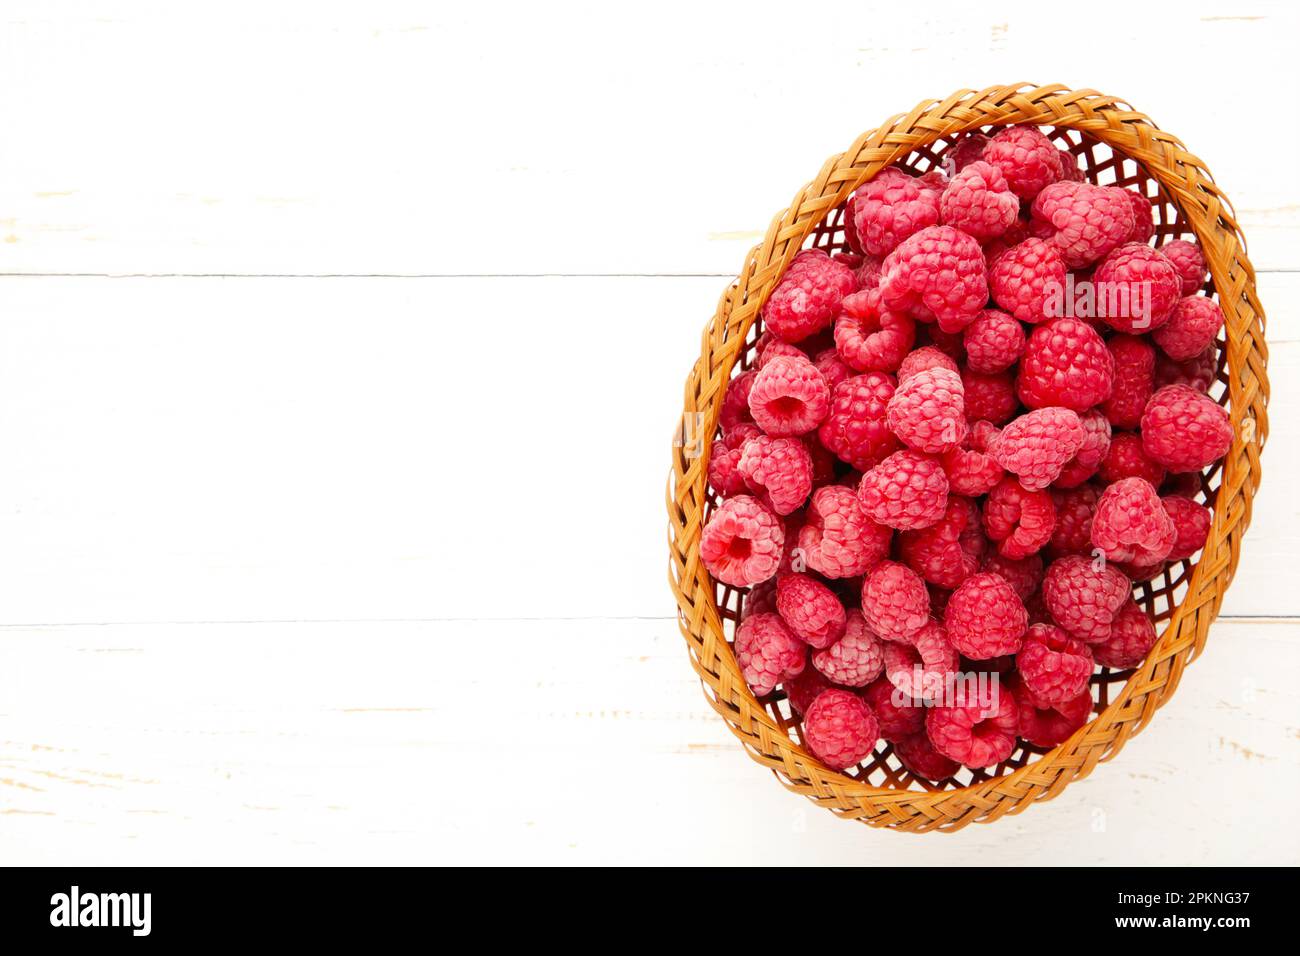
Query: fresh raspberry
point(1053, 666)
point(833, 368)
point(1130, 524)
point(824, 464)
point(1028, 280)
point(1191, 329)
point(969, 149)
point(871, 338)
point(976, 733)
point(990, 398)
point(1086, 221)
point(892, 207)
point(927, 411)
point(1186, 485)
point(924, 358)
point(936, 552)
point(855, 430)
point(805, 688)
point(1019, 520)
point(918, 755)
point(1198, 373)
point(1185, 430)
point(742, 543)
point(907, 490)
point(767, 652)
point(1070, 171)
point(1138, 573)
point(1138, 288)
point(895, 602)
point(1083, 596)
point(1188, 263)
point(808, 296)
point(1125, 458)
point(789, 397)
point(1129, 641)
point(979, 202)
point(971, 471)
point(1086, 461)
point(985, 617)
point(838, 540)
point(778, 471)
point(856, 659)
point(840, 729)
point(810, 609)
point(1144, 220)
point(949, 343)
point(899, 715)
point(1026, 157)
point(1038, 444)
point(1023, 574)
point(940, 271)
point(1065, 363)
point(769, 347)
point(724, 475)
point(1135, 369)
point(760, 599)
point(868, 274)
point(1016, 233)
point(925, 668)
point(735, 401)
point(994, 342)
point(1191, 525)
point(849, 223)
point(1074, 510)
point(1046, 725)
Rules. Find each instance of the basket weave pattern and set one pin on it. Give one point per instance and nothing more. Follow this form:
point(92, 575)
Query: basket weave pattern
point(1114, 145)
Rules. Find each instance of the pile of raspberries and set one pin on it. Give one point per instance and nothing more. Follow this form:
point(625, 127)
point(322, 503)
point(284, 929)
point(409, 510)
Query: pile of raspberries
point(937, 467)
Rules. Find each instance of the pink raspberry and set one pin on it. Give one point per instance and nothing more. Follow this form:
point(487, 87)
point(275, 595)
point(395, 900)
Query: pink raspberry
point(907, 490)
point(898, 714)
point(927, 411)
point(1065, 363)
point(1135, 369)
point(1138, 287)
point(892, 207)
point(833, 368)
point(994, 342)
point(1188, 263)
point(769, 347)
point(1019, 520)
point(760, 599)
point(964, 151)
point(735, 401)
point(923, 359)
point(979, 202)
point(1125, 458)
point(1191, 329)
point(1144, 221)
point(939, 271)
point(1028, 280)
point(1074, 510)
point(918, 755)
point(1130, 523)
point(1053, 666)
point(1046, 725)
point(895, 602)
point(1070, 171)
point(838, 540)
point(1026, 157)
point(990, 398)
point(855, 429)
point(1086, 221)
point(778, 471)
point(936, 553)
point(1038, 444)
point(1086, 461)
point(1185, 430)
point(868, 274)
point(810, 609)
point(724, 474)
point(971, 471)
point(742, 543)
point(856, 659)
point(1197, 373)
point(808, 296)
point(985, 617)
point(767, 653)
point(1191, 525)
point(976, 733)
point(925, 669)
point(869, 337)
point(1083, 596)
point(789, 397)
point(805, 688)
point(1129, 641)
point(840, 729)
point(1023, 574)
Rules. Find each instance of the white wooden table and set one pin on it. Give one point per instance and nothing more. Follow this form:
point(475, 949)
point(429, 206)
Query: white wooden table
point(340, 347)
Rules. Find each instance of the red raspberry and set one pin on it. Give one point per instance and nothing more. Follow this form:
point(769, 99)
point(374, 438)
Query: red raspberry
point(778, 471)
point(1125, 458)
point(1130, 524)
point(868, 274)
point(1046, 725)
point(1028, 280)
point(976, 733)
point(808, 296)
point(898, 714)
point(1065, 363)
point(833, 368)
point(979, 202)
point(742, 543)
point(824, 464)
point(1138, 288)
point(924, 358)
point(805, 688)
point(760, 599)
point(927, 411)
point(939, 271)
point(810, 609)
point(767, 653)
point(990, 398)
point(1083, 596)
point(1019, 520)
point(1197, 373)
point(895, 602)
point(1191, 329)
point(1188, 263)
point(985, 617)
point(1144, 221)
point(735, 401)
point(892, 207)
point(1087, 221)
point(970, 471)
point(856, 659)
point(1074, 510)
point(789, 397)
point(840, 729)
point(1186, 485)
point(1086, 461)
point(724, 476)
point(1053, 666)
point(1023, 574)
point(964, 151)
point(1026, 157)
point(1135, 369)
point(1070, 171)
point(871, 338)
point(924, 669)
point(855, 430)
point(1185, 430)
point(769, 347)
point(849, 224)
point(1191, 525)
point(936, 552)
point(1129, 641)
point(907, 490)
point(1038, 444)
point(918, 755)
point(994, 342)
point(838, 540)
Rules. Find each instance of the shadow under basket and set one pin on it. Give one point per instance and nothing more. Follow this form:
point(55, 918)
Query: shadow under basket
point(1114, 146)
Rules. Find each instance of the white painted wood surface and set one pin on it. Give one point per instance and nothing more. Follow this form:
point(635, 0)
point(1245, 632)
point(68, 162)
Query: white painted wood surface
point(295, 567)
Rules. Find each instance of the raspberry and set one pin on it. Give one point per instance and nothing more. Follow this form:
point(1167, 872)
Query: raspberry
point(1074, 510)
point(1125, 458)
point(1084, 596)
point(939, 271)
point(949, 343)
point(1086, 221)
point(918, 755)
point(789, 397)
point(1070, 171)
point(808, 296)
point(1138, 288)
point(890, 208)
point(994, 342)
point(1130, 524)
point(1019, 520)
point(1038, 444)
point(970, 471)
point(805, 688)
point(1023, 574)
point(850, 225)
point(840, 729)
point(936, 552)
point(895, 602)
point(899, 715)
point(1016, 233)
point(927, 411)
point(769, 347)
point(833, 368)
point(1144, 222)
point(724, 476)
point(985, 617)
point(760, 599)
point(1191, 329)
point(838, 540)
point(1131, 637)
point(969, 149)
point(1046, 725)
point(1135, 369)
point(1185, 430)
point(868, 274)
point(976, 733)
point(778, 471)
point(1198, 373)
point(1028, 280)
point(1065, 363)
point(742, 543)
point(1138, 573)
point(767, 653)
point(923, 670)
point(1026, 157)
point(990, 398)
point(1086, 461)
point(824, 464)
point(1188, 263)
point(810, 609)
point(907, 490)
point(979, 202)
point(1191, 525)
point(1186, 485)
point(926, 357)
point(1053, 666)
point(871, 338)
point(855, 430)
point(735, 401)
point(856, 659)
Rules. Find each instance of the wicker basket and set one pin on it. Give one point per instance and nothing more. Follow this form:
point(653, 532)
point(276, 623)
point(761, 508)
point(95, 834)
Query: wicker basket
point(1114, 145)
